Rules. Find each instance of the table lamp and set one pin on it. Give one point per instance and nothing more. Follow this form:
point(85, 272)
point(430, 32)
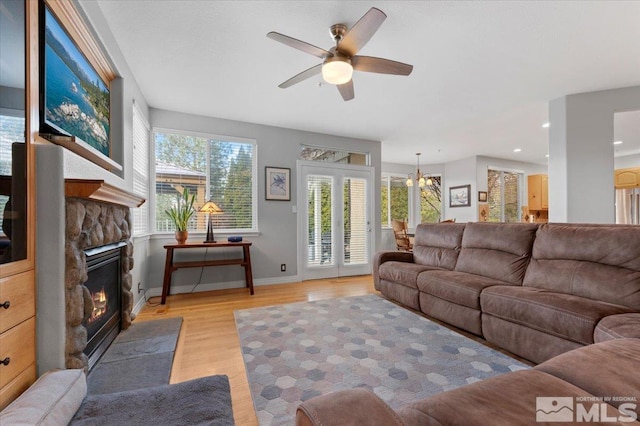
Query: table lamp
point(211, 208)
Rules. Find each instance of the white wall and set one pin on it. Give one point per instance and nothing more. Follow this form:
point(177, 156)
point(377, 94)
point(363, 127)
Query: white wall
point(276, 243)
point(457, 173)
point(627, 161)
point(581, 154)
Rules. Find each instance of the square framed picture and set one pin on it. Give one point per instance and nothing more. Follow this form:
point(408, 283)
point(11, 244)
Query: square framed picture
point(459, 196)
point(482, 196)
point(278, 183)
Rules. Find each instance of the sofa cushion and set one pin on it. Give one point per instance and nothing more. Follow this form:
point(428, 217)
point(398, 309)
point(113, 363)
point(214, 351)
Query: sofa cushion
point(497, 250)
point(508, 399)
point(526, 342)
point(438, 244)
point(457, 287)
point(407, 296)
point(617, 327)
point(615, 362)
point(402, 272)
point(456, 315)
point(598, 262)
point(570, 317)
point(52, 400)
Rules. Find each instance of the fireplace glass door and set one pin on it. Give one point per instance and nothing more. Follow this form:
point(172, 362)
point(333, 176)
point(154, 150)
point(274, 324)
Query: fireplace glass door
point(104, 281)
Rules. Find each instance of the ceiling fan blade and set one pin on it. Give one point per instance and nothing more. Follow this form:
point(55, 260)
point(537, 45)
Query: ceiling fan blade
point(362, 31)
point(346, 90)
point(380, 65)
point(300, 45)
point(308, 73)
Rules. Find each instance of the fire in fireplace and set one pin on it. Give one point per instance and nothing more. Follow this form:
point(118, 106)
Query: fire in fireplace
point(104, 285)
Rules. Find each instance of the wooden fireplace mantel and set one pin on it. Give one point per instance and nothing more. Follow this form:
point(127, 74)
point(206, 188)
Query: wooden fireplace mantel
point(99, 190)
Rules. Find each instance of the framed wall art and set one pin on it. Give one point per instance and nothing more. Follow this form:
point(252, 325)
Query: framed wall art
point(482, 196)
point(459, 196)
point(278, 183)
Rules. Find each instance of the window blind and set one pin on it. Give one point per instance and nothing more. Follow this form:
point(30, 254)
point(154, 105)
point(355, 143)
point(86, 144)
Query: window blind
point(140, 171)
point(220, 170)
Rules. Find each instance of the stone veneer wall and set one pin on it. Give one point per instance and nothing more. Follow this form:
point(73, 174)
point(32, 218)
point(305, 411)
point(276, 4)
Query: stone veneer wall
point(92, 224)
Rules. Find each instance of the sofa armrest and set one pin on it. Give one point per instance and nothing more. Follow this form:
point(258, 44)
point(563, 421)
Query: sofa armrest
point(349, 407)
point(388, 256)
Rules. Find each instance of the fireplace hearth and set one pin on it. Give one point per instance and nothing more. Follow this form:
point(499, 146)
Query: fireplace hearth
point(103, 323)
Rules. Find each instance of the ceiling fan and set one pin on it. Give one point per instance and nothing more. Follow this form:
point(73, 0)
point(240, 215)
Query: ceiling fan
point(339, 62)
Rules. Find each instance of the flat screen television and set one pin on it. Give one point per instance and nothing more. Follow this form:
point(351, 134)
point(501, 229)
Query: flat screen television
point(75, 100)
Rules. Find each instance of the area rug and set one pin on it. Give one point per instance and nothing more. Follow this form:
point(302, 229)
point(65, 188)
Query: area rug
point(139, 357)
point(297, 351)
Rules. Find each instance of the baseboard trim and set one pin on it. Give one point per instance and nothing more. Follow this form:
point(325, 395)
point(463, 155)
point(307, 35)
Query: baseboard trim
point(183, 289)
point(140, 304)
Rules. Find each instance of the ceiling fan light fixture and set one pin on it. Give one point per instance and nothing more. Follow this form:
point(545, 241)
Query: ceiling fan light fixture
point(337, 70)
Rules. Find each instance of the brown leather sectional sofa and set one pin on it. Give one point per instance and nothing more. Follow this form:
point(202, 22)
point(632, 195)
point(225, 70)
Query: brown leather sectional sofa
point(534, 290)
point(581, 378)
point(544, 292)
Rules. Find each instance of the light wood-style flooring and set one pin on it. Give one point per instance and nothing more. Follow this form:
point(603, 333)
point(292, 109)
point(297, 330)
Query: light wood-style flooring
point(209, 343)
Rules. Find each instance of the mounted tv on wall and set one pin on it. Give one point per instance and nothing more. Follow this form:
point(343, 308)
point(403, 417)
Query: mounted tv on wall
point(75, 100)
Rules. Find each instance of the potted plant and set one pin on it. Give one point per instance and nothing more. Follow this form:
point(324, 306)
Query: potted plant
point(181, 213)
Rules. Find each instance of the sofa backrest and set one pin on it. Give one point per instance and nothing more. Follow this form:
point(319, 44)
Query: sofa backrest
point(599, 262)
point(497, 250)
point(438, 244)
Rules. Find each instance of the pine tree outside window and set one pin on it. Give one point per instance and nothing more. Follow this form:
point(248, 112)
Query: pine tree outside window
point(221, 169)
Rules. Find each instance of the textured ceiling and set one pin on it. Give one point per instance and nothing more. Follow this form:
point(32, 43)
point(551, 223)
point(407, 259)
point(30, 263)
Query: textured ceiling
point(484, 72)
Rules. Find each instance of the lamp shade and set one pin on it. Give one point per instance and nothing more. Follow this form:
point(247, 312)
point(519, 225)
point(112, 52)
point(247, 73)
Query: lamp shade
point(211, 208)
point(337, 70)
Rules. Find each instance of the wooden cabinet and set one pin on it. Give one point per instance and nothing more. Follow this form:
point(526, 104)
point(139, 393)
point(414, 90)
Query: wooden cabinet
point(17, 195)
point(627, 178)
point(538, 192)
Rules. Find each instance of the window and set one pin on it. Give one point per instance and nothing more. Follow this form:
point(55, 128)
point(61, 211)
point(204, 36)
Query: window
point(504, 196)
point(214, 168)
point(328, 155)
point(140, 171)
point(394, 199)
point(431, 201)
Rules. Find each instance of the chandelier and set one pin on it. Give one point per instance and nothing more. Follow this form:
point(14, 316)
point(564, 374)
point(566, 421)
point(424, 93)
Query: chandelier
point(419, 177)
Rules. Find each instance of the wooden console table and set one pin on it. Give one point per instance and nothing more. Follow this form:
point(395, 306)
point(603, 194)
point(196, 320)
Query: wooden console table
point(171, 266)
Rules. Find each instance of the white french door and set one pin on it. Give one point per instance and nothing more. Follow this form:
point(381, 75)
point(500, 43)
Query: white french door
point(334, 219)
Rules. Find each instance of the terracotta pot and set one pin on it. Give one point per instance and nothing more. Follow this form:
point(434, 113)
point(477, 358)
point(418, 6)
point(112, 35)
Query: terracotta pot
point(181, 236)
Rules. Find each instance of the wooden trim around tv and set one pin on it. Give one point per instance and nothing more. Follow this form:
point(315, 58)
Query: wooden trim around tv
point(73, 22)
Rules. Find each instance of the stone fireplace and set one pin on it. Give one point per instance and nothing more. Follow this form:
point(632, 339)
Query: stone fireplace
point(77, 218)
point(100, 232)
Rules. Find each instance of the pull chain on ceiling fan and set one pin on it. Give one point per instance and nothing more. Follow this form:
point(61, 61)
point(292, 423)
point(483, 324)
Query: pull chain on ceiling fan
point(339, 62)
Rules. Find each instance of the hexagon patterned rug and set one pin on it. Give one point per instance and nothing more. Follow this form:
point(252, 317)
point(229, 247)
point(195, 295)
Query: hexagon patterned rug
point(297, 351)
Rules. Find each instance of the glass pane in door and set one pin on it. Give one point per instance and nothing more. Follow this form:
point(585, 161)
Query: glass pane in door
point(356, 223)
point(319, 221)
